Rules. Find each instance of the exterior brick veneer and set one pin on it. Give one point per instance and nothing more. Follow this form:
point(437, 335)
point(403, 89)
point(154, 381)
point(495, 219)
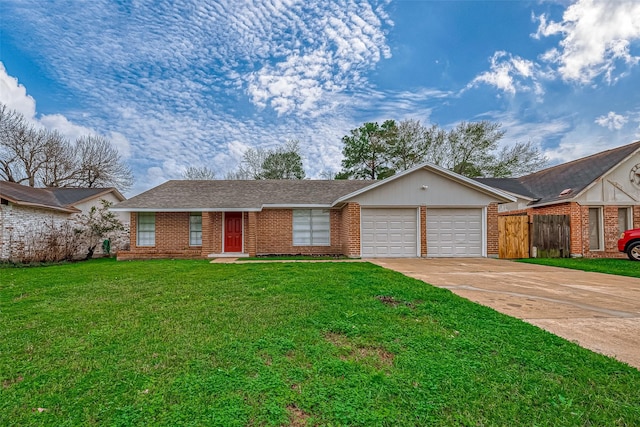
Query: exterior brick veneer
point(23, 229)
point(265, 233)
point(423, 231)
point(492, 230)
point(270, 232)
point(350, 231)
point(579, 220)
point(275, 234)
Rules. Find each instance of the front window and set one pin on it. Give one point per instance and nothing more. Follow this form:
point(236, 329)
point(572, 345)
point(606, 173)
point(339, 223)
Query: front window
point(146, 229)
point(311, 227)
point(195, 229)
point(624, 215)
point(595, 229)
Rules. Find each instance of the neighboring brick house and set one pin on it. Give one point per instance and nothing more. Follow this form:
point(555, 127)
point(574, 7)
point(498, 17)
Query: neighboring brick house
point(600, 194)
point(28, 216)
point(425, 211)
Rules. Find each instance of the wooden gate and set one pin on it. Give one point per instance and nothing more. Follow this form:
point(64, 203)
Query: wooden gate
point(552, 236)
point(513, 236)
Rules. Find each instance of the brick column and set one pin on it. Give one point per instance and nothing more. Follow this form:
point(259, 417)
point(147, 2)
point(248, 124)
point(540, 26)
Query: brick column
point(351, 230)
point(423, 231)
point(252, 225)
point(133, 230)
point(207, 233)
point(492, 230)
point(579, 217)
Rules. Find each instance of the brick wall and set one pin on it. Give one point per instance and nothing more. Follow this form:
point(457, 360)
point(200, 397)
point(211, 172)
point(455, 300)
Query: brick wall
point(274, 234)
point(350, 231)
point(611, 233)
point(579, 217)
point(25, 230)
point(492, 230)
point(251, 233)
point(172, 238)
point(211, 233)
point(423, 231)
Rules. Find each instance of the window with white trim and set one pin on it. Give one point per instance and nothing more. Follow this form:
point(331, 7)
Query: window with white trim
point(195, 229)
point(595, 229)
point(146, 229)
point(624, 219)
point(311, 227)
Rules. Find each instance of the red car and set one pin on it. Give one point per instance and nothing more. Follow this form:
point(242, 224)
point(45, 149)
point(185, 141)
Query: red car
point(630, 243)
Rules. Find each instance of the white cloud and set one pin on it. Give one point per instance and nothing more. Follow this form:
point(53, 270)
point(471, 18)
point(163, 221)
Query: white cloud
point(511, 74)
point(121, 143)
point(14, 95)
point(596, 39)
point(612, 121)
point(340, 43)
point(64, 126)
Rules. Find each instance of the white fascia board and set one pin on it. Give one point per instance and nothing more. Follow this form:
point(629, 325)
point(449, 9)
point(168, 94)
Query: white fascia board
point(436, 169)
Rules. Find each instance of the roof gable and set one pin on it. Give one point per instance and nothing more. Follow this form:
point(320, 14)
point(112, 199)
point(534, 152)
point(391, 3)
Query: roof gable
point(437, 170)
point(549, 184)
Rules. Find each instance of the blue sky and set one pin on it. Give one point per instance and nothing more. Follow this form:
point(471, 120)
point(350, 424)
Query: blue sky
point(195, 83)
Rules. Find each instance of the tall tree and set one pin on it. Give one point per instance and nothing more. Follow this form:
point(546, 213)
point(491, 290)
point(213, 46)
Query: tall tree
point(42, 157)
point(470, 149)
point(283, 163)
point(251, 165)
point(366, 151)
point(520, 159)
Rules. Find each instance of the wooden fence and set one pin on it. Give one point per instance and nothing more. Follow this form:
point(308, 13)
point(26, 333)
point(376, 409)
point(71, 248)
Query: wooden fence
point(551, 236)
point(513, 236)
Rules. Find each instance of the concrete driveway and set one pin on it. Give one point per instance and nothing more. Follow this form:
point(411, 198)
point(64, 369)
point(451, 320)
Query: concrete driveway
point(600, 312)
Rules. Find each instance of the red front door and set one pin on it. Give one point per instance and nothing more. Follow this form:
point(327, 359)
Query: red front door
point(233, 232)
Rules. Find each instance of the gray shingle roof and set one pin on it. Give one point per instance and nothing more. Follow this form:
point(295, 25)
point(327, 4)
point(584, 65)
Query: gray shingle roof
point(546, 185)
point(240, 194)
point(512, 185)
point(52, 198)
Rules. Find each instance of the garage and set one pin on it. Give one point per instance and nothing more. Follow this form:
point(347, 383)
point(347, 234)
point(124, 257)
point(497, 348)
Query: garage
point(454, 232)
point(389, 232)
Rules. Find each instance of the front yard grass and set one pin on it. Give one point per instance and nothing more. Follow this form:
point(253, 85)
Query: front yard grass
point(621, 267)
point(192, 343)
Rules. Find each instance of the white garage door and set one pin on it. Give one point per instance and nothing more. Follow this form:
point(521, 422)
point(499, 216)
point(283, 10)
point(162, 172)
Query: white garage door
point(454, 232)
point(389, 232)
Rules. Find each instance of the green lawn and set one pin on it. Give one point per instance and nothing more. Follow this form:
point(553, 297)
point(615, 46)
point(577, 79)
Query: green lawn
point(621, 267)
point(192, 343)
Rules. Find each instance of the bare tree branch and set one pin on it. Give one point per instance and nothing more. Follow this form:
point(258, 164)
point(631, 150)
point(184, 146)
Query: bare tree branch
point(198, 173)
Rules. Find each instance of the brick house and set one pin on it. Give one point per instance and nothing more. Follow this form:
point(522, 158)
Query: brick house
point(28, 214)
point(424, 211)
point(600, 193)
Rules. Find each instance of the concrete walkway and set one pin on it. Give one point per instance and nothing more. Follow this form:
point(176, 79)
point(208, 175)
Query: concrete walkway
point(600, 312)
